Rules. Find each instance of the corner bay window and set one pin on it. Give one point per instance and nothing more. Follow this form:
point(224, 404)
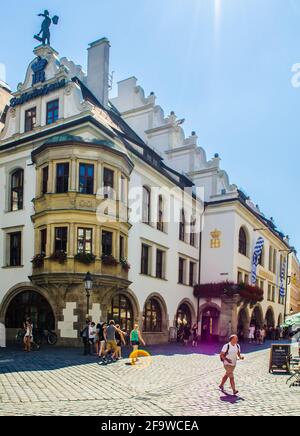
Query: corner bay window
point(122, 247)
point(15, 249)
point(45, 177)
point(17, 188)
point(108, 183)
point(62, 178)
point(61, 239)
point(86, 179)
point(52, 111)
point(84, 241)
point(107, 243)
point(43, 235)
point(30, 119)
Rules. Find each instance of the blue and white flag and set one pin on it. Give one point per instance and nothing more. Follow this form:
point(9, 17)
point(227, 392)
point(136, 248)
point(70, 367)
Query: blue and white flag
point(256, 256)
point(282, 277)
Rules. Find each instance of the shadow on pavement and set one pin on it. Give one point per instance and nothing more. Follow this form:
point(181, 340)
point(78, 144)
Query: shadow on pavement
point(52, 358)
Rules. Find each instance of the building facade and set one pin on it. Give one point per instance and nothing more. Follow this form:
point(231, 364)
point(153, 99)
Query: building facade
point(82, 192)
point(232, 226)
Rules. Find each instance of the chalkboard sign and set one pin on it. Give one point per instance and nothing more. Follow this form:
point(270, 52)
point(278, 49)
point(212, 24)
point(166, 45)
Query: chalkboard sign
point(280, 358)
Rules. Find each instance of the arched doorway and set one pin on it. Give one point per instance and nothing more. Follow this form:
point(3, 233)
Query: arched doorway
point(152, 318)
point(184, 316)
point(257, 317)
point(121, 312)
point(210, 324)
point(270, 319)
point(29, 304)
point(243, 325)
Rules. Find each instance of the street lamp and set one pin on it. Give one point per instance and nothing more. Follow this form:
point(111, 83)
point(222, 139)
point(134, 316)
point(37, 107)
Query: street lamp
point(88, 284)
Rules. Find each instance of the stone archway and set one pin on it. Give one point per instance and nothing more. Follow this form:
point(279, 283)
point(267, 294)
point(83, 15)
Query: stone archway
point(155, 320)
point(115, 303)
point(270, 318)
point(25, 301)
point(257, 318)
point(185, 313)
point(243, 324)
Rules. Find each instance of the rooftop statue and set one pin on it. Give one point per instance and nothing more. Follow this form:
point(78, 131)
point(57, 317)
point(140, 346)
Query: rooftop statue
point(44, 35)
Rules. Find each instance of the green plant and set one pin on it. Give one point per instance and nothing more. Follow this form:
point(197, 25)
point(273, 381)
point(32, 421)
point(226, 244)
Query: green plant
point(109, 260)
point(38, 260)
point(85, 258)
point(59, 256)
point(248, 294)
point(125, 264)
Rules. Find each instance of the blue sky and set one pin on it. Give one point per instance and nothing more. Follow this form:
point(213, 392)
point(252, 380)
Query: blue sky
point(223, 65)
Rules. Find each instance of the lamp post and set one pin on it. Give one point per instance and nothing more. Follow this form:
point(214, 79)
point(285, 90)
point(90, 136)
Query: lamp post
point(88, 284)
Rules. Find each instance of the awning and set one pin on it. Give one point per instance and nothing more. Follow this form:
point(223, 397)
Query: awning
point(292, 321)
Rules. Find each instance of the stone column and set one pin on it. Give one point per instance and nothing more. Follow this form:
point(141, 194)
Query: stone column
point(228, 318)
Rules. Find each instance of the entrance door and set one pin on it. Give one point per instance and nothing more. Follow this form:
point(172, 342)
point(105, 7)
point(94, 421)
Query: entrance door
point(210, 324)
point(31, 305)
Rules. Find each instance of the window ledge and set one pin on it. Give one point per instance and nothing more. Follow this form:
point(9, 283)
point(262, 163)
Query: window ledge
point(13, 267)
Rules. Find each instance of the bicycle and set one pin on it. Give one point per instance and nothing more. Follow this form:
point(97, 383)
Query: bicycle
point(45, 335)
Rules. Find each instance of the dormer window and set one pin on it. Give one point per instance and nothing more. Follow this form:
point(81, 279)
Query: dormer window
point(52, 112)
point(30, 119)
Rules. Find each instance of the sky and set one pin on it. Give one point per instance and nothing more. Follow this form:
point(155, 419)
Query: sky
point(223, 65)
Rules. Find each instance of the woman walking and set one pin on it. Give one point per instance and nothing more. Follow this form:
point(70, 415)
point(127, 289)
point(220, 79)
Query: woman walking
point(28, 327)
point(136, 339)
point(120, 341)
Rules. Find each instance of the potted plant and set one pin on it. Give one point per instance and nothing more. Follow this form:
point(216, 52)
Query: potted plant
point(85, 258)
point(125, 265)
point(109, 260)
point(38, 260)
point(59, 256)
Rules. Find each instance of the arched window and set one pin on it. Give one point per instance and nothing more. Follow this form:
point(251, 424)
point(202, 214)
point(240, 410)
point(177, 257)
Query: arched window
point(121, 312)
point(17, 188)
point(160, 214)
point(182, 226)
point(146, 205)
point(193, 232)
point(152, 316)
point(243, 243)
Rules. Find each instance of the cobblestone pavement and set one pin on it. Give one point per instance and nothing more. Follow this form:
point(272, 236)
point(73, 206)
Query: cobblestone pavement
point(177, 381)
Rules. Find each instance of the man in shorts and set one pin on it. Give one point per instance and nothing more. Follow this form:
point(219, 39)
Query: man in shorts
point(230, 353)
point(111, 342)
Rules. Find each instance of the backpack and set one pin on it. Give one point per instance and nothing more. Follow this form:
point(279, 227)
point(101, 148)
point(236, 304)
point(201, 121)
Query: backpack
point(227, 351)
point(84, 332)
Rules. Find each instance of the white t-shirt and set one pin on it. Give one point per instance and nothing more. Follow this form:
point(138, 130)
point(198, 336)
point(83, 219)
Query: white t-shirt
point(251, 332)
point(232, 354)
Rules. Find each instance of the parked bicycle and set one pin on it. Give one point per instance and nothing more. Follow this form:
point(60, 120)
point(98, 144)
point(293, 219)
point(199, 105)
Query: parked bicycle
point(47, 336)
point(39, 337)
